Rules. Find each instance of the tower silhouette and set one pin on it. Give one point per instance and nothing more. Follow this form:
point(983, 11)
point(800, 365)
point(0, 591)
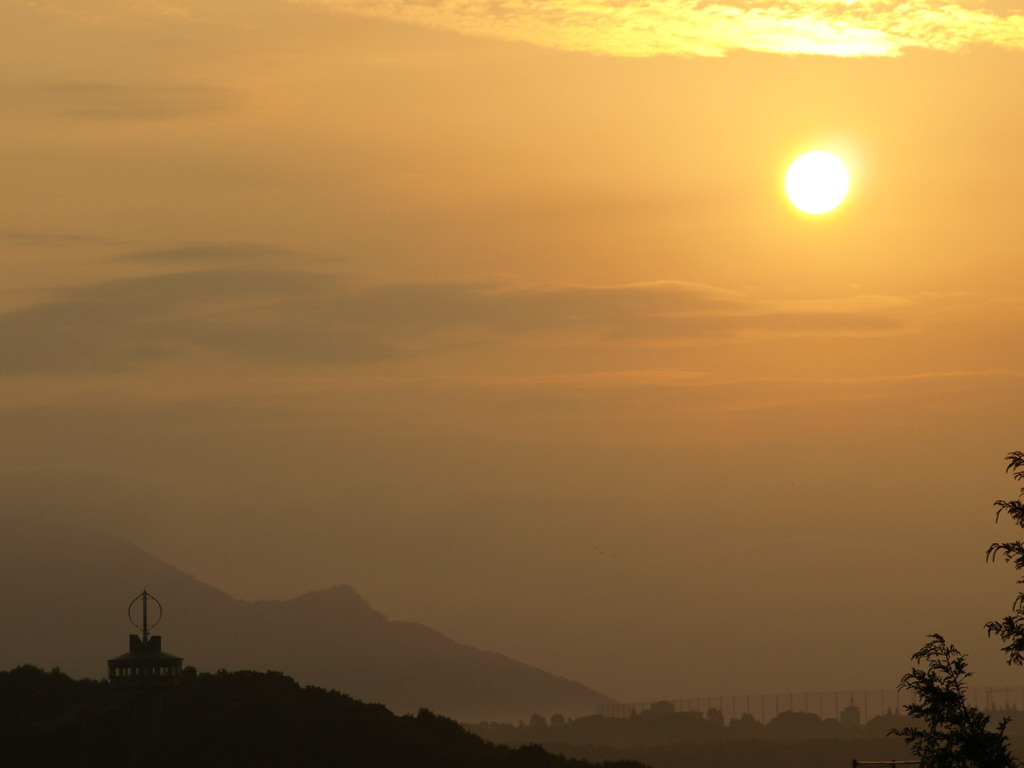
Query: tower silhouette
point(145, 665)
point(141, 677)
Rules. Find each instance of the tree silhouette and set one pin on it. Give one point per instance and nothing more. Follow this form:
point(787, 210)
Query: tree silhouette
point(956, 735)
point(1011, 628)
point(243, 719)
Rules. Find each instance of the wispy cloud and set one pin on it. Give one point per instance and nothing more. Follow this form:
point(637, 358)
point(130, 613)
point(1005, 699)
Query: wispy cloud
point(695, 28)
point(286, 316)
point(204, 253)
point(120, 102)
point(25, 239)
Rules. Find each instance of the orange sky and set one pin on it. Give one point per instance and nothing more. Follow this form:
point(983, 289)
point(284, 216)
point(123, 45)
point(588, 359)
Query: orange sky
point(496, 312)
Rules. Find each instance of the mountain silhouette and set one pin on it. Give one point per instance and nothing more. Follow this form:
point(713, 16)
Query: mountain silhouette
point(64, 593)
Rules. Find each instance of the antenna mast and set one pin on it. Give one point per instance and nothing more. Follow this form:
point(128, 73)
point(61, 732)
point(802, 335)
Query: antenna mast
point(145, 624)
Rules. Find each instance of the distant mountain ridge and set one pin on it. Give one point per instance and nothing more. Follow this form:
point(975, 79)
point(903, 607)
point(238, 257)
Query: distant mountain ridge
point(64, 592)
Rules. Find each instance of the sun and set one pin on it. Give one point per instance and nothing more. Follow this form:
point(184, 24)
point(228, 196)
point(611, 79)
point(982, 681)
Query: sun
point(817, 182)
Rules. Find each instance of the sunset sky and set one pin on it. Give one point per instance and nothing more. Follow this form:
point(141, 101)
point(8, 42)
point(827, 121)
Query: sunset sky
point(497, 312)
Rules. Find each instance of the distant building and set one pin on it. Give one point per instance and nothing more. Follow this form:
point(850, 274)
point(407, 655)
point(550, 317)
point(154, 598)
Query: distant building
point(664, 707)
point(145, 665)
point(850, 716)
point(141, 677)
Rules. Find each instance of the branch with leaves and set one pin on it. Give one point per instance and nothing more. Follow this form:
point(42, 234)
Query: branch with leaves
point(1010, 629)
point(955, 734)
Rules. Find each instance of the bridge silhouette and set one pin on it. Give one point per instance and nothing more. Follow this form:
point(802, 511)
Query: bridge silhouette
point(763, 707)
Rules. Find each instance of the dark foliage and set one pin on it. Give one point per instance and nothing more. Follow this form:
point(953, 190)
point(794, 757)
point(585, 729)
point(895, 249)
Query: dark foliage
point(756, 753)
point(228, 720)
point(954, 734)
point(1010, 629)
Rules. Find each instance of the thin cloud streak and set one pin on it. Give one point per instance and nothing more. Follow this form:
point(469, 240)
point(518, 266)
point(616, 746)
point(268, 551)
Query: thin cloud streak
point(294, 317)
point(103, 101)
point(22, 239)
point(675, 28)
point(200, 253)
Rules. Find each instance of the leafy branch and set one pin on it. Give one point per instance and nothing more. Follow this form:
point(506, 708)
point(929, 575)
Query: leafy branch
point(955, 734)
point(1010, 629)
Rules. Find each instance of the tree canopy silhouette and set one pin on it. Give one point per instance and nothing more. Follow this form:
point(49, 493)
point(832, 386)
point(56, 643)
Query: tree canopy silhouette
point(955, 734)
point(1010, 629)
point(240, 719)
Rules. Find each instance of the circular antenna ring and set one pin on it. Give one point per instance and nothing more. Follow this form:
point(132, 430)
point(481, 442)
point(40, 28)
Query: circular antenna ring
point(145, 612)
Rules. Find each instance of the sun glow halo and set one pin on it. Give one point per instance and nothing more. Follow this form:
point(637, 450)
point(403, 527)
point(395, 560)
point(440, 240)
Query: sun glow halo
point(817, 182)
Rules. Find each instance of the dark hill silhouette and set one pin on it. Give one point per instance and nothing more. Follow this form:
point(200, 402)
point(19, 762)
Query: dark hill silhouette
point(64, 593)
point(227, 720)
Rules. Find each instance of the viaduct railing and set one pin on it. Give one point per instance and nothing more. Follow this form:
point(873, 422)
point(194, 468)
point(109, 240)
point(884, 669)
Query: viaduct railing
point(763, 707)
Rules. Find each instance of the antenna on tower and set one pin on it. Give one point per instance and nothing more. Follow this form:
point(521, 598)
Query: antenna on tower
point(143, 621)
point(145, 666)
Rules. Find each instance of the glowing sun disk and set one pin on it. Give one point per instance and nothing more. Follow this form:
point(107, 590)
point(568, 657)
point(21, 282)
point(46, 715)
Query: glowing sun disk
point(817, 182)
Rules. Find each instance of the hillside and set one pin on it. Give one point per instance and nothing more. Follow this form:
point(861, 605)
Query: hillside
point(64, 592)
point(243, 719)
